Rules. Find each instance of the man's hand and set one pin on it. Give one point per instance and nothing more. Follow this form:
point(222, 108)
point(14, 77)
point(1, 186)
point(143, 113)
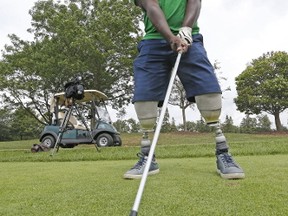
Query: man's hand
point(186, 34)
point(178, 45)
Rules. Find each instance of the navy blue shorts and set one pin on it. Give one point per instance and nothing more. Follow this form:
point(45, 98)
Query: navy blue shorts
point(153, 65)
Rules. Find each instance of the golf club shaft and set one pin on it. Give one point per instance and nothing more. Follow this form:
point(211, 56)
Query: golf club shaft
point(137, 201)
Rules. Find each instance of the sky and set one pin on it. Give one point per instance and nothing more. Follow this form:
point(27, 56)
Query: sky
point(235, 32)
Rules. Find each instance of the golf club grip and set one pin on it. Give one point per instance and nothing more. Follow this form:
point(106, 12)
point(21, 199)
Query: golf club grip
point(133, 213)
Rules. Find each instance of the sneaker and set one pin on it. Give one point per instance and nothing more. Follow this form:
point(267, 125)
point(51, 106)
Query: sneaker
point(228, 168)
point(137, 170)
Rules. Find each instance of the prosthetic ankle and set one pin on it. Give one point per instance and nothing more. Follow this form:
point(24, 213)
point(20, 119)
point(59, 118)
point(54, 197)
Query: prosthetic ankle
point(145, 144)
point(221, 143)
point(210, 106)
point(147, 114)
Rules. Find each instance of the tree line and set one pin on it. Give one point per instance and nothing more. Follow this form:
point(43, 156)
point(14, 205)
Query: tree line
point(258, 124)
point(20, 126)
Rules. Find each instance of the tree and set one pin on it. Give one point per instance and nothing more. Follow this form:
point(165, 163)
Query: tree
point(228, 125)
point(5, 126)
point(221, 79)
point(264, 124)
point(24, 126)
point(166, 126)
point(95, 38)
point(248, 124)
point(121, 125)
point(17, 125)
point(173, 127)
point(191, 126)
point(262, 86)
point(178, 98)
point(202, 127)
point(133, 125)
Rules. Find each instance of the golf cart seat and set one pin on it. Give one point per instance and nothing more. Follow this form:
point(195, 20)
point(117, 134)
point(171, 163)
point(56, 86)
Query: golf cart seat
point(72, 120)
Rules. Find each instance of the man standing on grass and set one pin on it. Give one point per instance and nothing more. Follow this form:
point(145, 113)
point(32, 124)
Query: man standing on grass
point(171, 27)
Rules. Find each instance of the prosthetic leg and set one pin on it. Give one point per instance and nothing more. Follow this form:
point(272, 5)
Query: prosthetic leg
point(147, 115)
point(209, 106)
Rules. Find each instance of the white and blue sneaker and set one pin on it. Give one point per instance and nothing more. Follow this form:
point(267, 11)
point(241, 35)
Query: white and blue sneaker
point(137, 170)
point(228, 168)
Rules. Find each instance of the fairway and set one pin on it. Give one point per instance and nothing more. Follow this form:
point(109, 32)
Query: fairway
point(184, 186)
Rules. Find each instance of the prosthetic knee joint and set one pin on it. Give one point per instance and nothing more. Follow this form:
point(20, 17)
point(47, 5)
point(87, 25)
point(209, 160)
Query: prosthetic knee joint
point(147, 114)
point(210, 106)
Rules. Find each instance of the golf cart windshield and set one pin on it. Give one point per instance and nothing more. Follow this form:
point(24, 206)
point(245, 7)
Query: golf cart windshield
point(103, 114)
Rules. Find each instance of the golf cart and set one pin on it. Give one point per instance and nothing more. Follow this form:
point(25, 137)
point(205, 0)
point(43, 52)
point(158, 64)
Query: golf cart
point(83, 121)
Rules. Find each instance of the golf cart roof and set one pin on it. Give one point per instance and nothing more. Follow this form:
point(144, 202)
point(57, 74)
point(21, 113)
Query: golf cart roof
point(89, 95)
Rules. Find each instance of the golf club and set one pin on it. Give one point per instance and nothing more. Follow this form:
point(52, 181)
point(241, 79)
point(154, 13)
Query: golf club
point(134, 211)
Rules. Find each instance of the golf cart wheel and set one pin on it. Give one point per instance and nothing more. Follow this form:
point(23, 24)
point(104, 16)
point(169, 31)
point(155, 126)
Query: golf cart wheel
point(48, 141)
point(104, 140)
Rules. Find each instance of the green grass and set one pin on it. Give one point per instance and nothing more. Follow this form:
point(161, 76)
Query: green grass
point(174, 145)
point(81, 181)
point(183, 187)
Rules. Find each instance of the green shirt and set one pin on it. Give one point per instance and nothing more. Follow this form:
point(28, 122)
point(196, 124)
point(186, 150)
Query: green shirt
point(174, 11)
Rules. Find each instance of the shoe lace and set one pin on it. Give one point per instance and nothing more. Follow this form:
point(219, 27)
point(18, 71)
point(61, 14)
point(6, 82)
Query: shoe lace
point(141, 162)
point(228, 160)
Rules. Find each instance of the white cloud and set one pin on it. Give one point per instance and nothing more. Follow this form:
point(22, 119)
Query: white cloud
point(15, 18)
